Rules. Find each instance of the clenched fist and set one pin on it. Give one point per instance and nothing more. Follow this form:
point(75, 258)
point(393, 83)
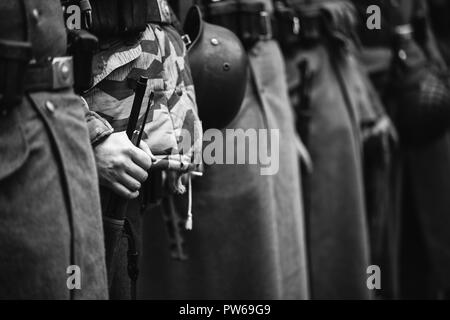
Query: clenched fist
point(123, 167)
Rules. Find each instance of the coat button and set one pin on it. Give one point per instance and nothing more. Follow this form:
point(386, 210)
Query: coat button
point(50, 106)
point(65, 71)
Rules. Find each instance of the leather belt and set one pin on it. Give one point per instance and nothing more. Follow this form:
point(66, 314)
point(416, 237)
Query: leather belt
point(251, 22)
point(20, 74)
point(57, 74)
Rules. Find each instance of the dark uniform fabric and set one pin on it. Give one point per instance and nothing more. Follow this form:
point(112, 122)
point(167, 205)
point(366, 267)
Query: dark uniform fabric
point(439, 13)
point(50, 215)
point(340, 101)
point(122, 287)
point(248, 240)
point(425, 213)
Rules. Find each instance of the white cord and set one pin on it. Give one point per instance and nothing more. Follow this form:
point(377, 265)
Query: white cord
point(189, 221)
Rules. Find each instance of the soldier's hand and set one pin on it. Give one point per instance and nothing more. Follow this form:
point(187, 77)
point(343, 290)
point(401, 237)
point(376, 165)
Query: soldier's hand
point(122, 167)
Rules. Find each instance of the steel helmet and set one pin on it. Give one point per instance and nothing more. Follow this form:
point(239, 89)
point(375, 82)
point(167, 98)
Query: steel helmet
point(219, 66)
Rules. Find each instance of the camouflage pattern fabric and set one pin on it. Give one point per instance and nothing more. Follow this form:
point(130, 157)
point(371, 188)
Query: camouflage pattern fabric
point(173, 130)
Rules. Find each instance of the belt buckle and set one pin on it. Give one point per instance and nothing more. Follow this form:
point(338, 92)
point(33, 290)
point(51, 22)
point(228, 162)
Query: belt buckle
point(296, 26)
point(187, 40)
point(404, 30)
point(62, 70)
point(266, 23)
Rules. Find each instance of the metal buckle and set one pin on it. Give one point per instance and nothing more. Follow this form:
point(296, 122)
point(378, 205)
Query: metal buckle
point(296, 26)
point(62, 70)
point(187, 40)
point(267, 25)
point(404, 30)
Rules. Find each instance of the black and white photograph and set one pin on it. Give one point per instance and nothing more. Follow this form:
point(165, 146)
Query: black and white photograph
point(232, 152)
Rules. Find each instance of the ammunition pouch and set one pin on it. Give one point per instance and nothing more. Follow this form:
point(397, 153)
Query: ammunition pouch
point(250, 22)
point(288, 25)
point(118, 17)
point(82, 46)
point(308, 24)
point(127, 18)
point(14, 59)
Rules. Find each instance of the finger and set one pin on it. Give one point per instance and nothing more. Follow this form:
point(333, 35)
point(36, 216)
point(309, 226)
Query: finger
point(129, 182)
point(141, 158)
point(124, 192)
point(136, 172)
point(185, 179)
point(144, 147)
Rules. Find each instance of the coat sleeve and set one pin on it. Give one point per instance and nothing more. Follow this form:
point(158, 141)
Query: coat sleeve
point(99, 129)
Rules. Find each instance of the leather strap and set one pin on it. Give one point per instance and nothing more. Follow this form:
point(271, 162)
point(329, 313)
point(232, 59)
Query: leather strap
point(132, 257)
point(14, 59)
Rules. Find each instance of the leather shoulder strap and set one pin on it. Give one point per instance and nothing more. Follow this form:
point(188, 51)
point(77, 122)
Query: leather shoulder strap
point(181, 8)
